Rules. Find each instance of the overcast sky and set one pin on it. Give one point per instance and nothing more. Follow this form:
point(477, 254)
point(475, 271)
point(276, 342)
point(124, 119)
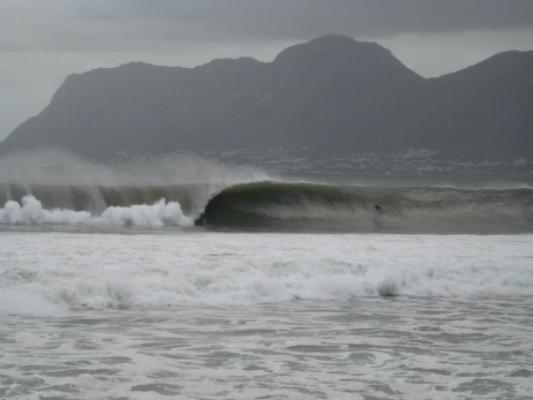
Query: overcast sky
point(42, 41)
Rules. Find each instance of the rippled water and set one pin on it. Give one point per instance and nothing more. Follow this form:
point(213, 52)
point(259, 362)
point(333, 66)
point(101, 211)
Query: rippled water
point(265, 316)
point(366, 348)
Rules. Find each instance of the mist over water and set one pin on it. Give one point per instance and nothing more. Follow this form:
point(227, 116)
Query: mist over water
point(55, 167)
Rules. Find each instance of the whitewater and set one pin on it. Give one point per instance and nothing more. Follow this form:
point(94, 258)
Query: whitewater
point(30, 211)
point(197, 314)
point(233, 284)
point(63, 271)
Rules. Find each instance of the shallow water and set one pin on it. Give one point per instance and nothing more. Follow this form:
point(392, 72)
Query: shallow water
point(369, 348)
point(196, 314)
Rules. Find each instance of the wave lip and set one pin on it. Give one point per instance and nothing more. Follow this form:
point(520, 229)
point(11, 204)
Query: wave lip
point(30, 211)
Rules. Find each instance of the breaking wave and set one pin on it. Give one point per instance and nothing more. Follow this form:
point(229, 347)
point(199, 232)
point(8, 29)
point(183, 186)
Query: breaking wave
point(53, 272)
point(31, 212)
point(277, 206)
point(319, 207)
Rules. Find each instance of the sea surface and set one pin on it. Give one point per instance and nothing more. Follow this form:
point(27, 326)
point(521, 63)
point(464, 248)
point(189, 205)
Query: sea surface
point(314, 288)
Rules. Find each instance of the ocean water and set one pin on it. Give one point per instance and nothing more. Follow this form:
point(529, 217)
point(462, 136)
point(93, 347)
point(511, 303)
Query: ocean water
point(266, 290)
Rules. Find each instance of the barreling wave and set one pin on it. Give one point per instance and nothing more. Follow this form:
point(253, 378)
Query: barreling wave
point(318, 207)
point(275, 206)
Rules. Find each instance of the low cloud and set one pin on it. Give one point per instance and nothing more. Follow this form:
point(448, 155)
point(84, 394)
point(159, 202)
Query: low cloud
point(114, 25)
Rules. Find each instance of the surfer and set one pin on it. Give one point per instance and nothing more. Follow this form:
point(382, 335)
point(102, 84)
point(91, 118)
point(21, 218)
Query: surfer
point(376, 218)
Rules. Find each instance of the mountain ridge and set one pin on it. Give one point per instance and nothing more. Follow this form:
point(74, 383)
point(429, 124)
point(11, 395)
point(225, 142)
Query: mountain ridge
point(332, 95)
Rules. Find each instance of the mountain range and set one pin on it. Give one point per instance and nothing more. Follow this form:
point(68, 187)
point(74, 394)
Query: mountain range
point(330, 97)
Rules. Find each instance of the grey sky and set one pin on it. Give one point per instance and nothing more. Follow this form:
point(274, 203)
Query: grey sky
point(42, 41)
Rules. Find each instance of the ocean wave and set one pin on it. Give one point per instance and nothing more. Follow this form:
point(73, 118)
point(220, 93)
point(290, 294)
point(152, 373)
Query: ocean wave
point(30, 211)
point(318, 207)
point(277, 206)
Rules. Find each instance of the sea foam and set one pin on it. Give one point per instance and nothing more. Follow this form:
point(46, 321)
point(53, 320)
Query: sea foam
point(43, 271)
point(30, 211)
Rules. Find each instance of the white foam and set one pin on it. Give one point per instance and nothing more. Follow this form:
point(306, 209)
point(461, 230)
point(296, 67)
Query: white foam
point(30, 211)
point(155, 270)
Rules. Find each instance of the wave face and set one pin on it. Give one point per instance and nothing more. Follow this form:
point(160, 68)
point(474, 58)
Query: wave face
point(274, 206)
point(316, 207)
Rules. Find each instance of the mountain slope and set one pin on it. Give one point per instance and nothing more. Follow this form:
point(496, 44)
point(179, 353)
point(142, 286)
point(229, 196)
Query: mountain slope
point(332, 95)
point(486, 109)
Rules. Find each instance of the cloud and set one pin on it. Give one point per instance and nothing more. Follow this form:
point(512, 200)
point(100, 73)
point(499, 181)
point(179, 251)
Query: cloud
point(114, 25)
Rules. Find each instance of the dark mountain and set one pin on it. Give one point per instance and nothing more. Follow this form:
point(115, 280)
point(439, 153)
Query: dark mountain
point(333, 95)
